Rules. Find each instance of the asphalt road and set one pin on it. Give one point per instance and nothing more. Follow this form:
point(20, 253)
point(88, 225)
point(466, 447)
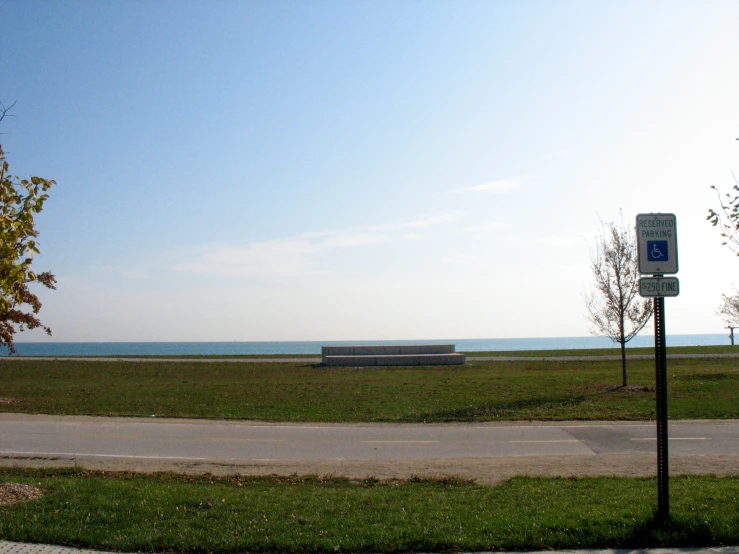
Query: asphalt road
point(317, 360)
point(26, 436)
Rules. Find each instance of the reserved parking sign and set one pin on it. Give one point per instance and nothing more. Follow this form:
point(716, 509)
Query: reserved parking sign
point(656, 241)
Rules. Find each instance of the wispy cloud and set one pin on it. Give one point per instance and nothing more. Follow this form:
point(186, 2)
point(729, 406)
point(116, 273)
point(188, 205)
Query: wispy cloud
point(500, 185)
point(430, 221)
point(350, 239)
point(566, 241)
point(287, 257)
point(131, 273)
point(493, 226)
point(293, 256)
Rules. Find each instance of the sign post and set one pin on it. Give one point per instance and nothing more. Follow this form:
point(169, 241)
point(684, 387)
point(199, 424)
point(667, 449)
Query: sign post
point(660, 357)
point(656, 239)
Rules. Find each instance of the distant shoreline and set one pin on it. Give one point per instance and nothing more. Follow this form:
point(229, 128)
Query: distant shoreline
point(313, 348)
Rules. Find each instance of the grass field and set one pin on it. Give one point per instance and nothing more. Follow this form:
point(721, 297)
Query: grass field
point(615, 351)
point(167, 512)
point(164, 512)
point(479, 391)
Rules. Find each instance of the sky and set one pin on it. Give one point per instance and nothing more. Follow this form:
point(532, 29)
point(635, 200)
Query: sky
point(352, 170)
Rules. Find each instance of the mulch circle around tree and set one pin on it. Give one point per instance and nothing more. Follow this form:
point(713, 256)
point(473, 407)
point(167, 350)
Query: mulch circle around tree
point(12, 493)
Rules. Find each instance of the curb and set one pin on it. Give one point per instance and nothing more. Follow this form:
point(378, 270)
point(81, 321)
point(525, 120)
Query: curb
point(7, 547)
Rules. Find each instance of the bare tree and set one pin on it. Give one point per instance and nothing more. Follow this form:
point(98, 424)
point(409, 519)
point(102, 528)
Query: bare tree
point(729, 308)
point(5, 110)
point(728, 223)
point(614, 306)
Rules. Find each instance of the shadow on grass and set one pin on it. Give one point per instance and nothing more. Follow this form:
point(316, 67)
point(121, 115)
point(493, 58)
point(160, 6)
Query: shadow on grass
point(498, 411)
point(708, 377)
point(677, 532)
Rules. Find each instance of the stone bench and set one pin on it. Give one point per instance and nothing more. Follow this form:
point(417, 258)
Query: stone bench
point(391, 355)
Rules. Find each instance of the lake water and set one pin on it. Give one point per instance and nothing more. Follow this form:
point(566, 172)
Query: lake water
point(314, 347)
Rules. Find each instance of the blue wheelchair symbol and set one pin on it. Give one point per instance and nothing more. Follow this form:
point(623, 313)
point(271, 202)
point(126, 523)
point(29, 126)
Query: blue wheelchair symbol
point(657, 251)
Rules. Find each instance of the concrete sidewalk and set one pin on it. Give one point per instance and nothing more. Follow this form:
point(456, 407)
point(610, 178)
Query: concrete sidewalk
point(23, 548)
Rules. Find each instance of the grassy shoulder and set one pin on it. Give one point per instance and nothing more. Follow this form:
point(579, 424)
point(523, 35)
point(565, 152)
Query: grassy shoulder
point(614, 351)
point(165, 512)
point(479, 391)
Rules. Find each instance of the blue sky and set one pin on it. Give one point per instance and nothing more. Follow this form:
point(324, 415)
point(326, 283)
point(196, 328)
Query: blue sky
point(333, 170)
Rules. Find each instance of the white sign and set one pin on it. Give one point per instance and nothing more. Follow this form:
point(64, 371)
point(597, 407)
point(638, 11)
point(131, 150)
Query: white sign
point(659, 286)
point(656, 242)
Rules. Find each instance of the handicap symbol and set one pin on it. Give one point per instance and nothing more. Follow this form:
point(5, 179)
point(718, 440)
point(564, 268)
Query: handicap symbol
point(657, 250)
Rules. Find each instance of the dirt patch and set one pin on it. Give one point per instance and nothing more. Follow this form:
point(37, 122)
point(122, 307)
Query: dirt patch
point(7, 401)
point(485, 471)
point(631, 389)
point(12, 493)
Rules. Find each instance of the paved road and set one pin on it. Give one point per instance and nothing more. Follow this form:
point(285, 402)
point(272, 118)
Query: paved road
point(25, 436)
point(317, 360)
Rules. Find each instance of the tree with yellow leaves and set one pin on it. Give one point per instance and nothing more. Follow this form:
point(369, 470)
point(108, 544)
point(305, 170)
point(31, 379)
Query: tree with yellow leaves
point(20, 201)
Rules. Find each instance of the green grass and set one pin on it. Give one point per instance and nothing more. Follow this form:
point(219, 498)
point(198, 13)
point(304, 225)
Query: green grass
point(614, 351)
point(155, 357)
point(164, 512)
point(479, 391)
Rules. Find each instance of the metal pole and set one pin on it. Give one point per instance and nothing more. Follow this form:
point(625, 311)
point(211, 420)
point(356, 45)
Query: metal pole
point(660, 350)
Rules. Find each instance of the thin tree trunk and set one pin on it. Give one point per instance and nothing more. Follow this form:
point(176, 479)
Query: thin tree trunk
point(623, 346)
point(623, 362)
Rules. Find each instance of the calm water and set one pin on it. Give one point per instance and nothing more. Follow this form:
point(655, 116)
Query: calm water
point(314, 347)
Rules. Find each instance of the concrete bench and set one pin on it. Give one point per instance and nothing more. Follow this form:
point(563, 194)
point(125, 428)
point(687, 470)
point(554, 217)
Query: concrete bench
point(391, 355)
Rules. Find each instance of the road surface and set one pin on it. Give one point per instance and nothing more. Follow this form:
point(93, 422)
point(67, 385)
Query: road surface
point(317, 360)
point(145, 444)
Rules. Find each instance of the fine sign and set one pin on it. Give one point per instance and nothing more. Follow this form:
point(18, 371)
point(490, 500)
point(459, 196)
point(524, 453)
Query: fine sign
point(659, 286)
point(656, 240)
